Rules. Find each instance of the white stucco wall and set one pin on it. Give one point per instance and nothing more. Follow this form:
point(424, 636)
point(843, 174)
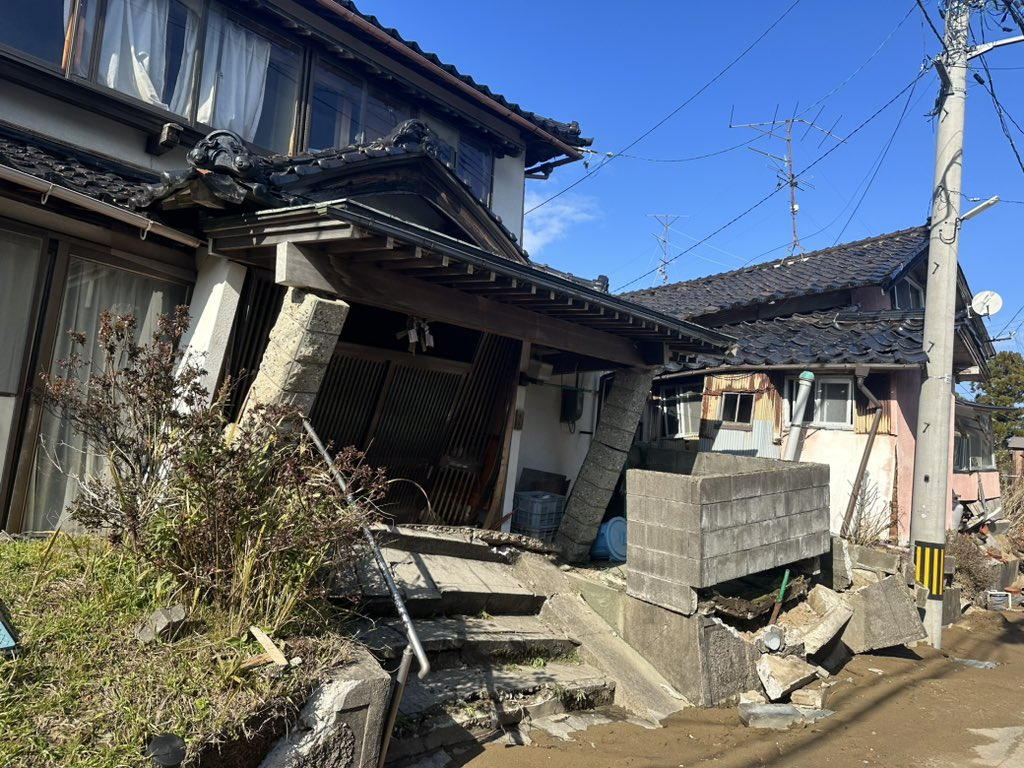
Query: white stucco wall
point(842, 451)
point(548, 444)
point(68, 124)
point(508, 191)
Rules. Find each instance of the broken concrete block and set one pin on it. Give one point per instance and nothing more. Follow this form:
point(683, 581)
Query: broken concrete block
point(775, 716)
point(817, 621)
point(837, 657)
point(782, 674)
point(884, 615)
point(812, 715)
point(753, 697)
point(814, 697)
point(840, 565)
point(873, 559)
point(163, 623)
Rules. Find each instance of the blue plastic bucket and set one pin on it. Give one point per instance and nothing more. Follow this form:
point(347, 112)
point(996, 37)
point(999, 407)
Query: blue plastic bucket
point(610, 543)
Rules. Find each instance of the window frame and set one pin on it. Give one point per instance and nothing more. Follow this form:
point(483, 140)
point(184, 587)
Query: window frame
point(815, 397)
point(735, 423)
point(915, 287)
point(676, 400)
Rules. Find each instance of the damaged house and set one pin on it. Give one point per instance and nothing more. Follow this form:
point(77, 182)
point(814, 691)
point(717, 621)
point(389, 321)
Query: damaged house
point(853, 316)
point(342, 214)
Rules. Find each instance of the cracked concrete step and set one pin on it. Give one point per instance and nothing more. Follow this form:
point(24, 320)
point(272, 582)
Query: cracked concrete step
point(477, 704)
point(454, 542)
point(576, 682)
point(472, 638)
point(437, 584)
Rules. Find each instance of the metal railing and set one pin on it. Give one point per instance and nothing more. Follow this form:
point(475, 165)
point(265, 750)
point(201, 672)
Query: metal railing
point(413, 646)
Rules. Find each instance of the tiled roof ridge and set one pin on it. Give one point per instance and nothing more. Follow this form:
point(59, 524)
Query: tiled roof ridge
point(820, 253)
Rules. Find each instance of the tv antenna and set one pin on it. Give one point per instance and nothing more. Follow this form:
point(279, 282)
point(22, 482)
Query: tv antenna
point(666, 220)
point(784, 165)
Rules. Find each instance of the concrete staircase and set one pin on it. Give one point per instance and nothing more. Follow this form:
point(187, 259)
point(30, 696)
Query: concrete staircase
point(510, 643)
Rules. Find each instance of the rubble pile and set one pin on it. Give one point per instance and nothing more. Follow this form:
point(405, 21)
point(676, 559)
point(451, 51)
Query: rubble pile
point(867, 602)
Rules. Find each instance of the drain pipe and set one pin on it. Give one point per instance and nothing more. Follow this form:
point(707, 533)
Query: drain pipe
point(796, 428)
point(876, 406)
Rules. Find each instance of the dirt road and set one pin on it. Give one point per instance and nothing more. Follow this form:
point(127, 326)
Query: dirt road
point(915, 709)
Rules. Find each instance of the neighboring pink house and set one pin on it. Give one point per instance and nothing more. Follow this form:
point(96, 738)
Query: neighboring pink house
point(853, 315)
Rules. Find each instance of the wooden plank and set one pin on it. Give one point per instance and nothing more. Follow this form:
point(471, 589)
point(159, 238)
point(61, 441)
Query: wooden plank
point(298, 267)
point(268, 645)
point(415, 297)
point(326, 231)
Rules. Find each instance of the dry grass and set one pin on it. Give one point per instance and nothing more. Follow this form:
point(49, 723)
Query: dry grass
point(1013, 509)
point(971, 571)
point(83, 692)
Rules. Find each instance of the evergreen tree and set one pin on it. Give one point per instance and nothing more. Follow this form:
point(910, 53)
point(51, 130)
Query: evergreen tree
point(1005, 387)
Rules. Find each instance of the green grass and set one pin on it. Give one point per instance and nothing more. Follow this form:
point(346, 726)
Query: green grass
point(83, 692)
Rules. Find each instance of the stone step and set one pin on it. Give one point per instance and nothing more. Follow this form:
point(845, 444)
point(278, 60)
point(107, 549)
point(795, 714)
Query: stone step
point(454, 542)
point(470, 704)
point(468, 638)
point(443, 584)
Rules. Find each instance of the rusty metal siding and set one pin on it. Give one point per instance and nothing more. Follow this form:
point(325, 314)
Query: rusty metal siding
point(879, 386)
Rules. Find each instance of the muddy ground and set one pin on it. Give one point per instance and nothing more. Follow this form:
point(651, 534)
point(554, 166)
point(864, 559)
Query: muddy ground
point(909, 707)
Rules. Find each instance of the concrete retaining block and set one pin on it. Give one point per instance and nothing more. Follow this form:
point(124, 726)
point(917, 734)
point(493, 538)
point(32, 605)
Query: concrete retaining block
point(884, 615)
point(782, 674)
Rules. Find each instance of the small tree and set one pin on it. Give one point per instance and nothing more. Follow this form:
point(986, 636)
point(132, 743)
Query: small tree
point(245, 516)
point(1005, 387)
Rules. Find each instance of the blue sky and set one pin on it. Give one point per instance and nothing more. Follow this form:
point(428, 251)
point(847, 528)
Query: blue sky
point(620, 69)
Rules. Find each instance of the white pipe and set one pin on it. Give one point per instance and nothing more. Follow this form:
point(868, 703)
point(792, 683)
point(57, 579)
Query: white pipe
point(796, 418)
point(49, 189)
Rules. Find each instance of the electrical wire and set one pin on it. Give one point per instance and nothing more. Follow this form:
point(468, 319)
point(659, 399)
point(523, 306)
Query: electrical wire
point(674, 112)
point(776, 191)
point(682, 159)
point(931, 24)
point(869, 59)
point(879, 163)
point(1002, 114)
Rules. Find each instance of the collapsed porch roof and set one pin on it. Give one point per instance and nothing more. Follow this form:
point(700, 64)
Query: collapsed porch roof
point(365, 255)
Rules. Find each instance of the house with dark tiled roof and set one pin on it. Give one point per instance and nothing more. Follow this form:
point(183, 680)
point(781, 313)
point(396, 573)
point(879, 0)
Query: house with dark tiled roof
point(853, 316)
point(291, 168)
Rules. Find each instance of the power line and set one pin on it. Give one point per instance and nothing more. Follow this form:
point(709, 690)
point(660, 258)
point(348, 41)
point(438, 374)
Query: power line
point(682, 159)
point(774, 192)
point(1001, 112)
point(931, 24)
point(869, 59)
point(879, 162)
point(674, 112)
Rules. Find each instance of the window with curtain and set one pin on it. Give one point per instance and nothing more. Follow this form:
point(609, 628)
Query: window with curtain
point(249, 84)
point(830, 403)
point(336, 111)
point(61, 454)
point(19, 266)
point(148, 49)
point(679, 407)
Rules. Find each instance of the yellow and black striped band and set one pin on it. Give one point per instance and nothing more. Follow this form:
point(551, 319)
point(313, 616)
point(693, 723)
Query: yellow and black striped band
point(930, 567)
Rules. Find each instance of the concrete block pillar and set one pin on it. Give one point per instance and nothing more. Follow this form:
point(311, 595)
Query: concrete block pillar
point(300, 347)
point(603, 465)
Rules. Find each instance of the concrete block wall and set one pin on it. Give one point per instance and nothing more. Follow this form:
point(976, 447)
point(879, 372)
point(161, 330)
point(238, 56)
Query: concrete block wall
point(688, 531)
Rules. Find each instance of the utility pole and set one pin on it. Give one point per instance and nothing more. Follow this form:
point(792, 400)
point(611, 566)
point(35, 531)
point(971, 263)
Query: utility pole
point(931, 501)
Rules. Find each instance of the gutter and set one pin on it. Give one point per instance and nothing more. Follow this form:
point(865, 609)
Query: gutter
point(460, 85)
point(48, 189)
point(859, 479)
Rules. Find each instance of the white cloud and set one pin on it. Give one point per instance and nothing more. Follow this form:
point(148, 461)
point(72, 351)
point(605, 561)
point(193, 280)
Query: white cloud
point(552, 220)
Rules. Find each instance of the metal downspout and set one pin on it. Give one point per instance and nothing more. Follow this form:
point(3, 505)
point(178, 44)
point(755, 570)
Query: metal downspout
point(796, 426)
point(855, 492)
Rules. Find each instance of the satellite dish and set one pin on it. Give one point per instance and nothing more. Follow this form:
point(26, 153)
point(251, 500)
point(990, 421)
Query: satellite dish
point(986, 303)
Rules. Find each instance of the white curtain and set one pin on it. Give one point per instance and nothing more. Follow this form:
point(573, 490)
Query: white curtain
point(133, 55)
point(181, 99)
point(234, 77)
point(61, 454)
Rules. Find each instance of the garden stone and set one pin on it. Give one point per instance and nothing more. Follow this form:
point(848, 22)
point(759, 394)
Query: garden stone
point(164, 623)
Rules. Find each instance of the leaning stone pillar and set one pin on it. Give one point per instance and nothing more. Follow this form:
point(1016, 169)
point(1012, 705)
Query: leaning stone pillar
point(603, 465)
point(301, 344)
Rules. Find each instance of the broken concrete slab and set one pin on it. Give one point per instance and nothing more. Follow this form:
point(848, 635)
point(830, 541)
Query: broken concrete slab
point(753, 697)
point(341, 724)
point(872, 559)
point(884, 615)
point(783, 674)
point(161, 624)
point(839, 567)
point(813, 696)
point(818, 620)
point(778, 717)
